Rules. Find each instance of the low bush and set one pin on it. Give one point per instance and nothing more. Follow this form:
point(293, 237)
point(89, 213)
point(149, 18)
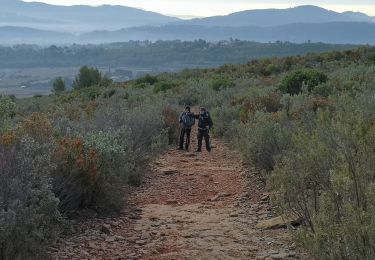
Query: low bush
point(261, 139)
point(146, 80)
point(271, 69)
point(100, 154)
point(29, 216)
point(294, 82)
point(89, 172)
point(221, 83)
point(327, 178)
point(270, 103)
point(163, 86)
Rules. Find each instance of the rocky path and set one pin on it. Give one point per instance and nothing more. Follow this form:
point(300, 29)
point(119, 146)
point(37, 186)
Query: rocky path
point(190, 206)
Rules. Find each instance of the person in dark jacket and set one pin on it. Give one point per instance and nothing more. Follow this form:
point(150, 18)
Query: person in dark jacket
point(204, 125)
point(187, 120)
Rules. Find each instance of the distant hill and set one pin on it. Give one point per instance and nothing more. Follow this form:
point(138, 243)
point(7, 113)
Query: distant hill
point(334, 32)
point(17, 35)
point(53, 24)
point(276, 17)
point(77, 18)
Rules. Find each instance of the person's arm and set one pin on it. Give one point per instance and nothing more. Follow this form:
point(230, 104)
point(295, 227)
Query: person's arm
point(210, 123)
point(180, 120)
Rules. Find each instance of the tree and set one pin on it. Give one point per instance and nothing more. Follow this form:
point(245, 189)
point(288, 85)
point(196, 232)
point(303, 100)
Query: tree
point(87, 77)
point(59, 85)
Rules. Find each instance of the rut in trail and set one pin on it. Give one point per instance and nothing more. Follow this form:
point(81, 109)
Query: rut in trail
point(190, 206)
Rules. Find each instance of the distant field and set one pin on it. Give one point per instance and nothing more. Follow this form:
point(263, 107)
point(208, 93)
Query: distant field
point(27, 82)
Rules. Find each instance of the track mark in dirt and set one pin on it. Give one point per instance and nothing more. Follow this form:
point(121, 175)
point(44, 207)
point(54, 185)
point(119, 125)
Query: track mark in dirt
point(190, 206)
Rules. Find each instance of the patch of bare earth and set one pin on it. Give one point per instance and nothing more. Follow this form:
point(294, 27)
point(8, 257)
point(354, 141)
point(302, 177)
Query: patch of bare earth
point(190, 206)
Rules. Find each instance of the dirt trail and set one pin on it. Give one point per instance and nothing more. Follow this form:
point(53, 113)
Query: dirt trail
point(190, 206)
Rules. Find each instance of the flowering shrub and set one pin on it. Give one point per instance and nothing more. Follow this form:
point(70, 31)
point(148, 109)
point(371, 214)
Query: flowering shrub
point(87, 171)
point(38, 126)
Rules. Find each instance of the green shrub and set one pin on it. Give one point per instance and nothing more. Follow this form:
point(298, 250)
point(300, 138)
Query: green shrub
point(29, 216)
point(163, 86)
point(7, 111)
point(91, 171)
point(58, 85)
point(261, 139)
point(7, 107)
point(90, 93)
point(146, 80)
point(294, 82)
point(327, 178)
point(271, 69)
point(221, 83)
point(97, 157)
point(109, 93)
point(105, 82)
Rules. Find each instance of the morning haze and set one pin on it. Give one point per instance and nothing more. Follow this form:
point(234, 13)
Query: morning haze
point(137, 34)
point(187, 129)
point(223, 7)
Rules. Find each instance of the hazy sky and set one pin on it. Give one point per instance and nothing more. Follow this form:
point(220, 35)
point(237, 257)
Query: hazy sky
point(220, 7)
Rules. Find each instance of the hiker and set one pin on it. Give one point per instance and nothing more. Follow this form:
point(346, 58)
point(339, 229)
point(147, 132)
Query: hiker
point(204, 125)
point(187, 120)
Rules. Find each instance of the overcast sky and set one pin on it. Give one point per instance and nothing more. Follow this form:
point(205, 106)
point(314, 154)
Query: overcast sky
point(200, 8)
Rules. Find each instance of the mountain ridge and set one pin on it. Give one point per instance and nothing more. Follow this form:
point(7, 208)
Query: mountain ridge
point(298, 24)
point(276, 17)
point(334, 32)
point(79, 18)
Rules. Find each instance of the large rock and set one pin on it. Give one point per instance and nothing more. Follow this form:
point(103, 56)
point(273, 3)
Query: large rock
point(279, 222)
point(106, 229)
point(170, 171)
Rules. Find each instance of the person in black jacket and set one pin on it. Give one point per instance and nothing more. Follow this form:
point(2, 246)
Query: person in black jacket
point(187, 120)
point(204, 125)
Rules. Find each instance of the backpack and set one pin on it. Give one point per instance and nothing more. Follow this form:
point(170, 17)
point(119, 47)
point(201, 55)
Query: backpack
point(204, 120)
point(187, 120)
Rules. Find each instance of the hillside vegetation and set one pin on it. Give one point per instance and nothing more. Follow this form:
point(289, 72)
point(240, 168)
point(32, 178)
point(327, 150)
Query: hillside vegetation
point(307, 123)
point(159, 55)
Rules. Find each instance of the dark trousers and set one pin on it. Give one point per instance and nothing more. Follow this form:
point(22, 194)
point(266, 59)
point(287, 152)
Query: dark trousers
point(204, 134)
point(184, 131)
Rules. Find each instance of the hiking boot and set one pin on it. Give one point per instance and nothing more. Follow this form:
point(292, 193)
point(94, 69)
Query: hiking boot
point(198, 151)
point(180, 148)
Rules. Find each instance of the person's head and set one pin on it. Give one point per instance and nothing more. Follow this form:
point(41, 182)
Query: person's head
point(203, 110)
point(187, 108)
